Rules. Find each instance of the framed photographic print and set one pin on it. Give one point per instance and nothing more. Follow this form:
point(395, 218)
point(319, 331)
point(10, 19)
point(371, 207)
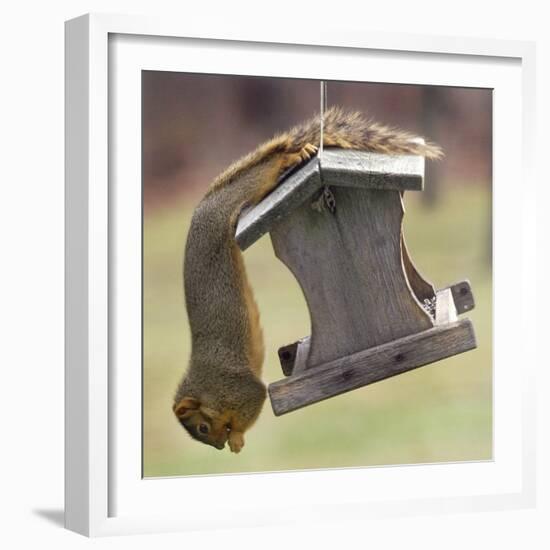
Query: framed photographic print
point(361, 194)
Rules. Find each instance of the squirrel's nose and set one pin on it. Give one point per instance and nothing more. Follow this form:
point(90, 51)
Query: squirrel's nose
point(220, 446)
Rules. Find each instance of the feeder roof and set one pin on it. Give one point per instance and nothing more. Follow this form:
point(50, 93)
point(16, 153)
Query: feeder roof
point(336, 167)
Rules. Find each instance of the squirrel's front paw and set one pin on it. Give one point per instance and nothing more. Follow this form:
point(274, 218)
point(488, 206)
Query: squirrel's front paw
point(236, 441)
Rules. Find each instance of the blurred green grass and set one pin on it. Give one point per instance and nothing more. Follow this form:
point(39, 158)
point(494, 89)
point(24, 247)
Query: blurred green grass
point(441, 412)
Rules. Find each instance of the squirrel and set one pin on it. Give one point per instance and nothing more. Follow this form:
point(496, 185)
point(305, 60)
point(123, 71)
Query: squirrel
point(221, 394)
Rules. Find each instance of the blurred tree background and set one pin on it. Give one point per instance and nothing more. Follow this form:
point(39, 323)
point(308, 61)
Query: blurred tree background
point(194, 126)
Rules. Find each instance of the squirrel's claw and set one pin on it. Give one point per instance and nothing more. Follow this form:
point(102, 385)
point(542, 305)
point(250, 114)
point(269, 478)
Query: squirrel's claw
point(308, 150)
point(304, 154)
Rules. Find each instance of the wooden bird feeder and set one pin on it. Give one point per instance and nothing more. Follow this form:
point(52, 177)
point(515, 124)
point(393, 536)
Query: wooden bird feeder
point(336, 223)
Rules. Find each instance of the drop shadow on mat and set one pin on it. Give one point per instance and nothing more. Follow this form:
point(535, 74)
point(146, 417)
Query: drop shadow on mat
point(54, 516)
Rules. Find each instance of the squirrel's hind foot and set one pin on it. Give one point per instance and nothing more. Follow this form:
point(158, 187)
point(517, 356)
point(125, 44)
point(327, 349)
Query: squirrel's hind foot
point(303, 155)
point(307, 151)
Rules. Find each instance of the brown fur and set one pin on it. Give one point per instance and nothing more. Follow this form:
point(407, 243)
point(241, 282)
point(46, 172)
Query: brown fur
point(255, 344)
point(222, 389)
point(345, 129)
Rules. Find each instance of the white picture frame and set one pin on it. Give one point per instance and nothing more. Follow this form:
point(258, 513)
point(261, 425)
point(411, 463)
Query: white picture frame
point(104, 490)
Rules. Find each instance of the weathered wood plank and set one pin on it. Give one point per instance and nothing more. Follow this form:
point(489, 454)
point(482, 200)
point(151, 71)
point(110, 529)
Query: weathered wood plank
point(372, 365)
point(463, 296)
point(423, 289)
point(463, 302)
point(283, 200)
point(340, 167)
point(372, 170)
point(302, 354)
point(349, 266)
point(445, 310)
point(293, 357)
point(287, 357)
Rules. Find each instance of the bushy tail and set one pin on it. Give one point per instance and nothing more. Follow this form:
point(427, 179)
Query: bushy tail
point(351, 130)
point(346, 129)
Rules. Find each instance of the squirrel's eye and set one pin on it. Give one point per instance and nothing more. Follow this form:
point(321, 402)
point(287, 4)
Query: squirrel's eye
point(203, 428)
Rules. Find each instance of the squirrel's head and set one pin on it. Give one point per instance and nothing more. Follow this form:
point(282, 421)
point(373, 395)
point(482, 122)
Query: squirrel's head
point(202, 423)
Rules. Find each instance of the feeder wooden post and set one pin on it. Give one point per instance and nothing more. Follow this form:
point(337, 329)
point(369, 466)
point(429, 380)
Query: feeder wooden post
point(336, 223)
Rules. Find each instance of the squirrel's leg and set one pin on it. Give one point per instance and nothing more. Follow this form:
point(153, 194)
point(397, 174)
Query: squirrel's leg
point(278, 165)
point(235, 438)
point(253, 396)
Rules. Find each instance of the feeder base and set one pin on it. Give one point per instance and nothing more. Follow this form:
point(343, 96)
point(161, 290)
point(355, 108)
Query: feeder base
point(371, 365)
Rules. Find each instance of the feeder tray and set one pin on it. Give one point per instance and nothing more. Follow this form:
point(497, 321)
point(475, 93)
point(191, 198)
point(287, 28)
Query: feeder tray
point(336, 223)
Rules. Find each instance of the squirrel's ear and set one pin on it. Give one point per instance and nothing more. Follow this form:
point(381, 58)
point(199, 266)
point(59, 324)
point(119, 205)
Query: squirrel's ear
point(185, 405)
